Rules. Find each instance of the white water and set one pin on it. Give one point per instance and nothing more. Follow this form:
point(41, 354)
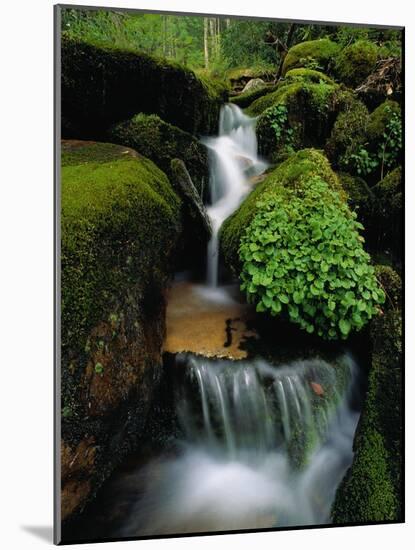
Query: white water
point(235, 467)
point(233, 158)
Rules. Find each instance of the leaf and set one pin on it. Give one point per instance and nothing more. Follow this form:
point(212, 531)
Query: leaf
point(344, 326)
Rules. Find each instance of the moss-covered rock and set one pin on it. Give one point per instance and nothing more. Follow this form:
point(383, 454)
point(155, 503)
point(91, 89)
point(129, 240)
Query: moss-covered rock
point(307, 75)
point(298, 114)
point(371, 490)
point(349, 132)
point(245, 99)
point(162, 142)
point(388, 213)
point(102, 86)
point(356, 61)
point(379, 121)
point(313, 54)
point(120, 224)
point(304, 164)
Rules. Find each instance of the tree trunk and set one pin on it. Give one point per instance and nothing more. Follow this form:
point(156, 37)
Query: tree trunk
point(284, 52)
point(205, 41)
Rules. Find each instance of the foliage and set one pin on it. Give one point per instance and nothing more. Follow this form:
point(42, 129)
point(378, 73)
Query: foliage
point(314, 54)
point(302, 256)
point(385, 135)
point(356, 61)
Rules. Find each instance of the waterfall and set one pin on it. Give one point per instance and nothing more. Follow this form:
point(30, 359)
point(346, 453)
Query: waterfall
point(232, 160)
point(263, 446)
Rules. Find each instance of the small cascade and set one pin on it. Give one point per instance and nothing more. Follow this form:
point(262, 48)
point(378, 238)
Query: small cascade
point(233, 159)
point(263, 446)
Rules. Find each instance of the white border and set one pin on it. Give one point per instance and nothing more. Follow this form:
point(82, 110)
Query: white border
point(26, 313)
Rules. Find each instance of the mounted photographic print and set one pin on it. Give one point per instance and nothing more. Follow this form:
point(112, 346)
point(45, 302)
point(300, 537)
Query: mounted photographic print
point(229, 262)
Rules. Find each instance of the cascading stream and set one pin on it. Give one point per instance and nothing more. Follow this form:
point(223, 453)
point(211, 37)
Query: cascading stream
point(233, 159)
point(262, 447)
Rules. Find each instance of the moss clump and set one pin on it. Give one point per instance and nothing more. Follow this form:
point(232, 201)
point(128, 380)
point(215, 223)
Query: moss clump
point(300, 166)
point(355, 62)
point(313, 54)
point(297, 115)
point(388, 207)
point(102, 86)
point(162, 142)
point(349, 131)
point(120, 223)
point(245, 99)
point(308, 75)
point(371, 490)
point(379, 121)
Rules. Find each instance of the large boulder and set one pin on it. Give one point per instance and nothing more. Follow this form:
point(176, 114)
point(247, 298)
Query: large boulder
point(298, 114)
point(371, 491)
point(121, 221)
point(162, 142)
point(313, 54)
point(298, 250)
point(102, 85)
point(247, 98)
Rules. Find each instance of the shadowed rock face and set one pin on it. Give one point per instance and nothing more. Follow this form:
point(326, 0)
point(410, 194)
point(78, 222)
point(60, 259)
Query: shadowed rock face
point(101, 86)
point(120, 224)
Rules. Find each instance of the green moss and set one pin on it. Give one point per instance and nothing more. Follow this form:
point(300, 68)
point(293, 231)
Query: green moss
point(371, 489)
point(120, 223)
point(299, 167)
point(355, 62)
point(102, 86)
point(349, 131)
point(379, 120)
point(245, 99)
point(308, 75)
point(309, 112)
point(162, 142)
point(239, 73)
point(312, 54)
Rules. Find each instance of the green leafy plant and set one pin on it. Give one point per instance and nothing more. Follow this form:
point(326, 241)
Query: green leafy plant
point(99, 368)
point(302, 257)
point(392, 145)
point(277, 119)
point(361, 162)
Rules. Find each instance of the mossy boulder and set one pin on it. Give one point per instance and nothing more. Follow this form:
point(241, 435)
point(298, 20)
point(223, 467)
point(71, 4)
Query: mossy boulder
point(162, 142)
point(103, 85)
point(245, 99)
point(313, 54)
point(356, 62)
point(380, 120)
point(307, 75)
point(305, 165)
point(298, 114)
point(372, 488)
point(349, 132)
point(388, 213)
point(120, 223)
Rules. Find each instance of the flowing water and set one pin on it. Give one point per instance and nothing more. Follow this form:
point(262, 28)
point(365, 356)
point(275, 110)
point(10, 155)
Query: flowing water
point(233, 159)
point(262, 445)
point(261, 448)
